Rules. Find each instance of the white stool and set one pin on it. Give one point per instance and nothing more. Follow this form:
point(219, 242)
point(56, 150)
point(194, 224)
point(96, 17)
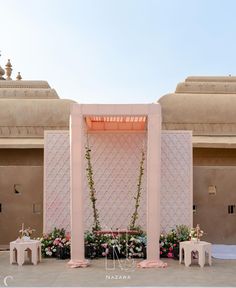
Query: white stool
point(18, 248)
point(188, 247)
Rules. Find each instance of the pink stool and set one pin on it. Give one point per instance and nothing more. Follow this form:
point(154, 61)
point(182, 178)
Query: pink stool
point(18, 248)
point(188, 247)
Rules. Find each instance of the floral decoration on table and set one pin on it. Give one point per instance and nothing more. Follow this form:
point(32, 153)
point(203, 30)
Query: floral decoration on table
point(56, 244)
point(25, 233)
point(196, 233)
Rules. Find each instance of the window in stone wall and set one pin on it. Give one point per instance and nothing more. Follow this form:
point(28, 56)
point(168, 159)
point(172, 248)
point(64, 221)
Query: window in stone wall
point(231, 209)
point(37, 208)
point(212, 190)
point(17, 189)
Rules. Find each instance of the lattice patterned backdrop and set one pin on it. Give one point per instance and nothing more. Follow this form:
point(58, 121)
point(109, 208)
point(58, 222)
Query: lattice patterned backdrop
point(176, 179)
point(56, 180)
point(116, 159)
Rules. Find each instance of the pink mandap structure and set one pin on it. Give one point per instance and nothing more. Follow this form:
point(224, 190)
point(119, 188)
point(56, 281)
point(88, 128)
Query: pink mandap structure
point(116, 118)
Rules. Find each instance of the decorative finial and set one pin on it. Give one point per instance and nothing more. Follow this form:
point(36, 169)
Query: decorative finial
point(18, 77)
point(2, 72)
point(8, 70)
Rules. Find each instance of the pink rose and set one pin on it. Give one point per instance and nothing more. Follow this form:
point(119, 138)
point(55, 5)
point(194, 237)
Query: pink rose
point(170, 255)
point(67, 236)
point(56, 241)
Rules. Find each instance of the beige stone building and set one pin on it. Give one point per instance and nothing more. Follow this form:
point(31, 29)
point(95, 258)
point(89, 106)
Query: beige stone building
point(207, 106)
point(27, 109)
point(204, 105)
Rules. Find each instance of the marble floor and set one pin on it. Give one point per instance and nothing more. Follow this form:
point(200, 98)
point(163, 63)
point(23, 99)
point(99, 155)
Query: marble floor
point(56, 273)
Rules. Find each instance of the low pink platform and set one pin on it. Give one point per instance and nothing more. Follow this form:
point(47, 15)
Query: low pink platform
point(78, 263)
point(152, 264)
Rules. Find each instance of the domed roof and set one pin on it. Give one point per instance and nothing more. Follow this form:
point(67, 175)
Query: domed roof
point(35, 112)
point(26, 90)
point(27, 108)
point(205, 105)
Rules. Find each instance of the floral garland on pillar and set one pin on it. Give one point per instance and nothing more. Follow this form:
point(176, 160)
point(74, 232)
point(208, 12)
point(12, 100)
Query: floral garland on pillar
point(137, 197)
point(96, 223)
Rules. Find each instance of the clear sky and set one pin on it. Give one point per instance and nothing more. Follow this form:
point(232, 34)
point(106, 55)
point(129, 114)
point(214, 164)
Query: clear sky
point(118, 51)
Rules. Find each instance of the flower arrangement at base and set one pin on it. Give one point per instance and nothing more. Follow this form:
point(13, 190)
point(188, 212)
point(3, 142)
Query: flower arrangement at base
point(94, 244)
point(114, 246)
point(56, 244)
point(169, 243)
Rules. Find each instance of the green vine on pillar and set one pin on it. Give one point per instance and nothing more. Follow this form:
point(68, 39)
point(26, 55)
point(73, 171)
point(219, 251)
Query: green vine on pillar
point(92, 192)
point(137, 197)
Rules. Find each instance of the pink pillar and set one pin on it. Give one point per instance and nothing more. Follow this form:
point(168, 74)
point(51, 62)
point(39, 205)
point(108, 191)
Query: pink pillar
point(77, 221)
point(153, 188)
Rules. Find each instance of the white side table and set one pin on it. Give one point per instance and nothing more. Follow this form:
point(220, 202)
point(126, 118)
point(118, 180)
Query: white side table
point(17, 251)
point(201, 247)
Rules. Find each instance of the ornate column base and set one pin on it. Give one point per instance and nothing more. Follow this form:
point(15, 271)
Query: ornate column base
point(152, 264)
point(78, 263)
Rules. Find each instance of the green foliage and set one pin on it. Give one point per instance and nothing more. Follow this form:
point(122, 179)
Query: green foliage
point(125, 245)
point(92, 191)
point(137, 197)
point(169, 243)
point(182, 232)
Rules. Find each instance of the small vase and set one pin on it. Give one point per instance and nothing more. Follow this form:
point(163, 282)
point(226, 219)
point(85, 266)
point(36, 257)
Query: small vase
point(194, 240)
point(25, 238)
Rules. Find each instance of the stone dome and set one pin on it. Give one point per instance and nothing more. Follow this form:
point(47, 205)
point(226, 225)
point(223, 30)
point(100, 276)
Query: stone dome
point(26, 90)
point(205, 105)
point(28, 108)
